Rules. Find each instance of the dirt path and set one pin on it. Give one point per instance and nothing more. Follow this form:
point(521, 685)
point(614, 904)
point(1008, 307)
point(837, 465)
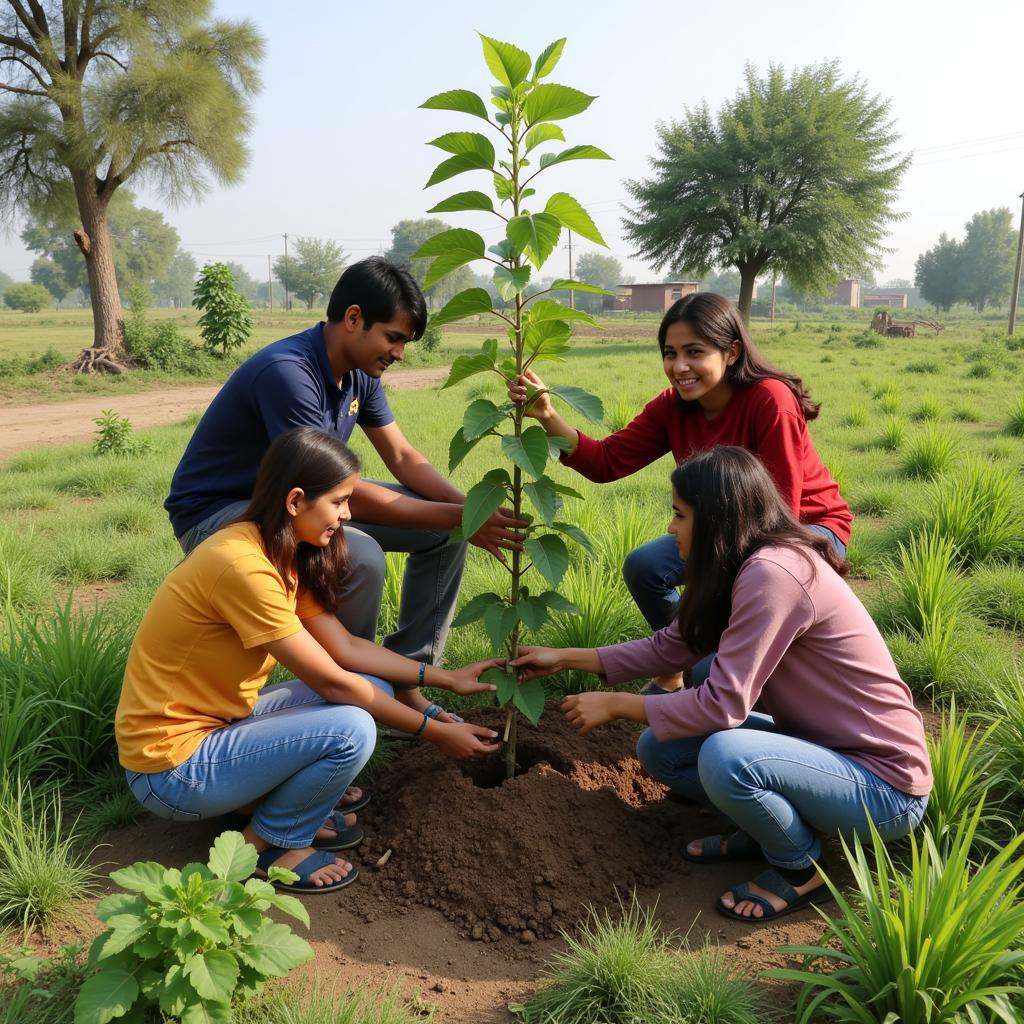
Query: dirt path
point(50, 423)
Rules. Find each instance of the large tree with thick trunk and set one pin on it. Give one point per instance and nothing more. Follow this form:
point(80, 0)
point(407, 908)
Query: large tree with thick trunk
point(100, 92)
point(796, 174)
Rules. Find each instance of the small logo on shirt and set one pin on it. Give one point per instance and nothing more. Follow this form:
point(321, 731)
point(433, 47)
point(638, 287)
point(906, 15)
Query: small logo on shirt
point(353, 407)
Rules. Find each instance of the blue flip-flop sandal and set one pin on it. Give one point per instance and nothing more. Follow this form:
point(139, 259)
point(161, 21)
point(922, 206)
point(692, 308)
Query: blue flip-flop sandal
point(771, 881)
point(739, 846)
point(305, 869)
point(355, 805)
point(347, 835)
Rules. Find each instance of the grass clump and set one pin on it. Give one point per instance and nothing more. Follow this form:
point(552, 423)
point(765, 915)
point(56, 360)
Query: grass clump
point(997, 596)
point(1007, 708)
point(893, 433)
point(1015, 424)
point(936, 945)
point(317, 1005)
point(24, 585)
point(879, 500)
point(856, 416)
point(966, 412)
point(931, 452)
point(625, 972)
point(929, 409)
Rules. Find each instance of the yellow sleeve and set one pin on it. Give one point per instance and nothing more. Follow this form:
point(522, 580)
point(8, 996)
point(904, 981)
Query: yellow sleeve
point(307, 606)
point(251, 598)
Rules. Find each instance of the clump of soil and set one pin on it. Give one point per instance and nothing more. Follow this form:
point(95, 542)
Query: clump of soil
point(519, 859)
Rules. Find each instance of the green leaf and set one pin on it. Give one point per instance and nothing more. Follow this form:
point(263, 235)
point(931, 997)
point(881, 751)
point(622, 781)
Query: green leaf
point(466, 303)
point(549, 102)
point(504, 680)
point(532, 612)
point(503, 187)
point(206, 1013)
point(459, 448)
point(467, 366)
point(105, 996)
point(275, 950)
point(573, 153)
point(499, 621)
point(536, 234)
point(176, 991)
point(573, 216)
point(549, 555)
point(529, 452)
point(548, 339)
point(481, 416)
point(548, 59)
point(466, 144)
point(542, 133)
point(475, 608)
point(119, 903)
point(508, 63)
point(456, 165)
point(482, 501)
point(462, 100)
point(544, 498)
point(211, 926)
point(232, 858)
point(451, 249)
point(511, 282)
point(565, 285)
point(138, 877)
point(542, 310)
point(556, 603)
point(126, 929)
point(582, 401)
point(285, 875)
point(529, 698)
point(213, 974)
point(464, 201)
point(576, 533)
point(505, 250)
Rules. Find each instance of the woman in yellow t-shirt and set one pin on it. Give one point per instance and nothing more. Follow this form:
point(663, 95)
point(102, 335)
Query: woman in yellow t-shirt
point(198, 733)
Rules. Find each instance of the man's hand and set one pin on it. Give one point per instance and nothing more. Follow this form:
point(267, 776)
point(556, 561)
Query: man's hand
point(463, 741)
point(536, 662)
point(585, 711)
point(540, 408)
point(466, 680)
point(500, 533)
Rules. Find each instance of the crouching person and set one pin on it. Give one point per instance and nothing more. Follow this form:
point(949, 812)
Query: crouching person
point(198, 732)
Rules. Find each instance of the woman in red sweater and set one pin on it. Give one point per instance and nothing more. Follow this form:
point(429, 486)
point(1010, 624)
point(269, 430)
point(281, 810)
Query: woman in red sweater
point(724, 392)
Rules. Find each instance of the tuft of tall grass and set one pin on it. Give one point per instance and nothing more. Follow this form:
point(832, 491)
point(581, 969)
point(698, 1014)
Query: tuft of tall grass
point(26, 720)
point(626, 972)
point(620, 412)
point(939, 944)
point(879, 500)
point(893, 433)
point(43, 870)
point(997, 595)
point(856, 416)
point(931, 452)
point(131, 515)
point(966, 412)
point(391, 599)
point(889, 398)
point(85, 555)
point(929, 409)
point(1015, 424)
point(316, 1004)
point(24, 585)
point(1007, 707)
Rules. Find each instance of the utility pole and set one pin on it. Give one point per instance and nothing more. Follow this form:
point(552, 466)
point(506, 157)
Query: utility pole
point(775, 279)
point(270, 285)
point(1015, 290)
point(572, 293)
point(287, 300)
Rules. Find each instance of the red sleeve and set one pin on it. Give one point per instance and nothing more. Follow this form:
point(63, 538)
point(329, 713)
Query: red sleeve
point(636, 445)
point(780, 441)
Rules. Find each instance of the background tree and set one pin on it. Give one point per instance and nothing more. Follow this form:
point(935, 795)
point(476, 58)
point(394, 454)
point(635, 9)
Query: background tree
point(5, 282)
point(937, 273)
point(313, 271)
point(406, 237)
point(104, 92)
point(174, 286)
point(28, 298)
point(226, 323)
point(600, 269)
point(47, 273)
point(244, 284)
point(988, 252)
point(795, 171)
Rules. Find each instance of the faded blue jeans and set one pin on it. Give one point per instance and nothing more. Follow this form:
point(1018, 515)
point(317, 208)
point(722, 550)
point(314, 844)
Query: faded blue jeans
point(781, 791)
point(296, 753)
point(430, 586)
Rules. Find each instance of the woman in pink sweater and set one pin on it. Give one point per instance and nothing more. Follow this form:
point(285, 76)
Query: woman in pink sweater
point(723, 391)
point(841, 740)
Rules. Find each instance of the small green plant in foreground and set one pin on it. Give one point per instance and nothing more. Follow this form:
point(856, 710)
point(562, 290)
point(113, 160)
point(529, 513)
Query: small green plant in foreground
point(34, 990)
point(115, 435)
point(525, 116)
point(316, 1005)
point(189, 942)
point(626, 972)
point(939, 945)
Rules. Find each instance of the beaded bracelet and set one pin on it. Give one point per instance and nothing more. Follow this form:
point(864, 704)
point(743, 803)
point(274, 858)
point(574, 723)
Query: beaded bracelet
point(423, 725)
point(423, 673)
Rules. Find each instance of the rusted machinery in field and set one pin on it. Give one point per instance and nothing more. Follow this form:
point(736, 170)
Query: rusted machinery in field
point(884, 323)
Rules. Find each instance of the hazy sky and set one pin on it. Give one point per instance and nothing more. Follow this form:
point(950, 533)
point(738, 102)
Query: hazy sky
point(338, 147)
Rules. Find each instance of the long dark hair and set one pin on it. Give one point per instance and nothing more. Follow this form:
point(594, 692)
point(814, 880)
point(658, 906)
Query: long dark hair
point(737, 509)
point(307, 458)
point(717, 321)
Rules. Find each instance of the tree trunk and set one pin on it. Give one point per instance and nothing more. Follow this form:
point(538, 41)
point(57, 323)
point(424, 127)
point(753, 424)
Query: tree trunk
point(748, 277)
point(93, 239)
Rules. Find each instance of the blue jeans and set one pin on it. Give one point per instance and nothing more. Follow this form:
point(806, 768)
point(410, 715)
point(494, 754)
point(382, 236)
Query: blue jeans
point(781, 791)
point(430, 585)
point(296, 753)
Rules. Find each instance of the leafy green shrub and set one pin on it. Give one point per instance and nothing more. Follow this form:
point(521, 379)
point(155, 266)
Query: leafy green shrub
point(226, 322)
point(626, 972)
point(940, 945)
point(189, 942)
point(931, 452)
point(115, 435)
point(162, 346)
point(867, 339)
point(997, 595)
point(43, 870)
point(22, 365)
point(431, 340)
point(28, 298)
point(1015, 425)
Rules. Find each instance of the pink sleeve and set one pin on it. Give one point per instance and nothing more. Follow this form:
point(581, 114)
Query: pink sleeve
point(769, 610)
point(654, 655)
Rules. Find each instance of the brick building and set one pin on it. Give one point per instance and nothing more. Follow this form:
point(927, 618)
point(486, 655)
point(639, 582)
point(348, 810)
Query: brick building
point(649, 298)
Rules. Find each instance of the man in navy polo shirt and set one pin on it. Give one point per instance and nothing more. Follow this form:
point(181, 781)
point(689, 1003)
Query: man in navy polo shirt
point(329, 377)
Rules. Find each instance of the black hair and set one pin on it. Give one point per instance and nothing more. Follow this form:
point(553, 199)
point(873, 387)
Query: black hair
point(380, 289)
point(717, 321)
point(737, 509)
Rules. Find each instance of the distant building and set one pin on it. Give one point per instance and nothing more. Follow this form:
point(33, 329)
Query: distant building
point(846, 293)
point(649, 298)
point(895, 300)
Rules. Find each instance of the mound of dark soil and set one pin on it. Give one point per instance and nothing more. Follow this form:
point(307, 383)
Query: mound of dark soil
point(519, 859)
